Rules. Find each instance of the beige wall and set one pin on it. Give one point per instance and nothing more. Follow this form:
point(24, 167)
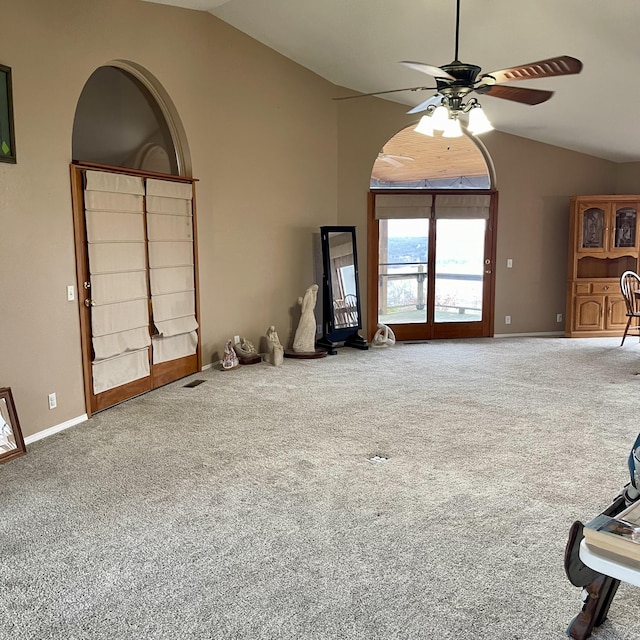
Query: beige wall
point(534, 181)
point(628, 177)
point(263, 141)
point(275, 157)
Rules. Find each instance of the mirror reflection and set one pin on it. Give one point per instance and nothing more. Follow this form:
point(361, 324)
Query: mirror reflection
point(343, 280)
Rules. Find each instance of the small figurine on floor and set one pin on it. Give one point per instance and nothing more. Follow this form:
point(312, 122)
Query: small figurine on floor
point(276, 351)
point(246, 352)
point(304, 340)
point(230, 359)
point(384, 336)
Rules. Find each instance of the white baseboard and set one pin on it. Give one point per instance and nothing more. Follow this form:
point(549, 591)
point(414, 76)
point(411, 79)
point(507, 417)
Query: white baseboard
point(543, 334)
point(210, 365)
point(55, 429)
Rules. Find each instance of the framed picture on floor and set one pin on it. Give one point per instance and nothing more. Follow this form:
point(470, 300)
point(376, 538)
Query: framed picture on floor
point(11, 441)
point(7, 139)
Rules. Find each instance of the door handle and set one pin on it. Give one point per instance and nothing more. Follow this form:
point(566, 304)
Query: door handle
point(488, 271)
point(89, 303)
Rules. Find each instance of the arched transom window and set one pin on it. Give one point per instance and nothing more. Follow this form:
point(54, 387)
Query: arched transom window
point(411, 160)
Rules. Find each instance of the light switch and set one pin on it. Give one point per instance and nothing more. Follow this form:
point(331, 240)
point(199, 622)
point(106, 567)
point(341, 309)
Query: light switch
point(71, 293)
point(509, 263)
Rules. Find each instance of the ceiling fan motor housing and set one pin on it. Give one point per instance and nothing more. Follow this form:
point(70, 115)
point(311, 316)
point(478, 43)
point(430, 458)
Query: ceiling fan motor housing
point(465, 77)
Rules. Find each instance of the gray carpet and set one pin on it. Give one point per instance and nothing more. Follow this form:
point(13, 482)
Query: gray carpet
point(248, 507)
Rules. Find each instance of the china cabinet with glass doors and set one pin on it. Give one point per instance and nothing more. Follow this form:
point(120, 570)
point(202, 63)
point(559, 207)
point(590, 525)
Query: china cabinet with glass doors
point(603, 243)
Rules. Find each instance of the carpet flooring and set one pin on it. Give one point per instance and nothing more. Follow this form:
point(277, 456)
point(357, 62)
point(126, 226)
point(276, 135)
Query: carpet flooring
point(423, 491)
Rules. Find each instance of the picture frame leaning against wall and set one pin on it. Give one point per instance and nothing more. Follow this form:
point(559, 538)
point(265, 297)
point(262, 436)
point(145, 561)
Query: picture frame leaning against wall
point(11, 440)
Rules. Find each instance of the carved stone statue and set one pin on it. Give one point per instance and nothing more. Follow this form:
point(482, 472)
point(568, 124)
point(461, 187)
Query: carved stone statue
point(246, 352)
point(230, 359)
point(304, 340)
point(276, 350)
point(245, 349)
point(384, 336)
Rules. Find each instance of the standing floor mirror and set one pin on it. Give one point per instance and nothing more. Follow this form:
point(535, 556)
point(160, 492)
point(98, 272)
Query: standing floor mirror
point(342, 316)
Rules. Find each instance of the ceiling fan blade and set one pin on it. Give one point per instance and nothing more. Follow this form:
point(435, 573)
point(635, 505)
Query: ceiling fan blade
point(429, 69)
point(559, 66)
point(391, 161)
point(426, 104)
point(379, 93)
point(516, 94)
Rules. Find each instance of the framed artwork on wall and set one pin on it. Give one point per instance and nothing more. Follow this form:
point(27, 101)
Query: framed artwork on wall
point(11, 441)
point(7, 139)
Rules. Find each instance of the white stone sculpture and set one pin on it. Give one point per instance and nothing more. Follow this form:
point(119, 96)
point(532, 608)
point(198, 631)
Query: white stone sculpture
point(245, 349)
point(276, 351)
point(384, 336)
point(304, 340)
point(230, 359)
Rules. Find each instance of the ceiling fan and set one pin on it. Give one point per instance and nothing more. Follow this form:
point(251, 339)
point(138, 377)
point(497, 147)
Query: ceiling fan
point(456, 80)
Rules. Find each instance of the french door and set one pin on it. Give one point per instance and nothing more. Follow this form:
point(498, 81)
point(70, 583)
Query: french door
point(136, 264)
point(430, 263)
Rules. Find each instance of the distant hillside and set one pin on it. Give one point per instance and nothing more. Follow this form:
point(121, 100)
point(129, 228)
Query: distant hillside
point(410, 249)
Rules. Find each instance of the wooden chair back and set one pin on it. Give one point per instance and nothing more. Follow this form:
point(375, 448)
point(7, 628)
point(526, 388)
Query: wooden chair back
point(629, 283)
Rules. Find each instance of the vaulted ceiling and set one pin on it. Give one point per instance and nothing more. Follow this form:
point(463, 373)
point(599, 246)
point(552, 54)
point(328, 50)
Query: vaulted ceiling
point(357, 44)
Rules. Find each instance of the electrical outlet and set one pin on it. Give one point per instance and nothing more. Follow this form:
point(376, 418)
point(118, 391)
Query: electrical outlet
point(71, 293)
point(507, 319)
point(236, 339)
point(559, 317)
point(53, 402)
point(509, 263)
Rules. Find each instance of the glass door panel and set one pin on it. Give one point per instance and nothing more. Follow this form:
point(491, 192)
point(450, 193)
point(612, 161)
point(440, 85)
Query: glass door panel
point(592, 229)
point(402, 271)
point(459, 270)
point(625, 236)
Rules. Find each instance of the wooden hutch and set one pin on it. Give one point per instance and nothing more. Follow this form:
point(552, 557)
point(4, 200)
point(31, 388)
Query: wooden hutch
point(603, 243)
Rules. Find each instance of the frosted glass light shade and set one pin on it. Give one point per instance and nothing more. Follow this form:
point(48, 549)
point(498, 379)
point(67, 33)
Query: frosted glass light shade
point(440, 118)
point(478, 121)
point(425, 126)
point(453, 129)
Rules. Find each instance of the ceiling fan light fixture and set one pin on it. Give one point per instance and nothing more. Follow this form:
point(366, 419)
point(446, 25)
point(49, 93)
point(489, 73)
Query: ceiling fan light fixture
point(478, 121)
point(440, 118)
point(453, 129)
point(425, 126)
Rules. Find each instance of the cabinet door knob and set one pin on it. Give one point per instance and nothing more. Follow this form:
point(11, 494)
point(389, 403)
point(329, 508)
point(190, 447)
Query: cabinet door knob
point(606, 287)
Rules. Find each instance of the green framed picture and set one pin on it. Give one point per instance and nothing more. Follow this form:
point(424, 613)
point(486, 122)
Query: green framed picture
point(7, 140)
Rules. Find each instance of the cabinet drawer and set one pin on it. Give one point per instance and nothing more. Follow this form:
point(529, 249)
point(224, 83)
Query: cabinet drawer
point(605, 287)
point(582, 288)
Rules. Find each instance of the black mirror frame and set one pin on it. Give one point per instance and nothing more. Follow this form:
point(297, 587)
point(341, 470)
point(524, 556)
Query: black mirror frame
point(347, 335)
point(6, 118)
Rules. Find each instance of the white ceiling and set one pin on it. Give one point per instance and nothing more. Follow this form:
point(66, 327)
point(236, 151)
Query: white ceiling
point(358, 43)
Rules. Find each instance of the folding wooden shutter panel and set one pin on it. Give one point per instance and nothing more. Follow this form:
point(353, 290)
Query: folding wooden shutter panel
point(171, 269)
point(114, 214)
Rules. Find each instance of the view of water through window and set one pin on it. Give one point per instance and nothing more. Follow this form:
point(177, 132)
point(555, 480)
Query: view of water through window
point(402, 271)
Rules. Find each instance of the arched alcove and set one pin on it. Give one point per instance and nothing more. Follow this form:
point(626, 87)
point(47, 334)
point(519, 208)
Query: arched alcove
point(124, 118)
point(134, 221)
point(411, 160)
